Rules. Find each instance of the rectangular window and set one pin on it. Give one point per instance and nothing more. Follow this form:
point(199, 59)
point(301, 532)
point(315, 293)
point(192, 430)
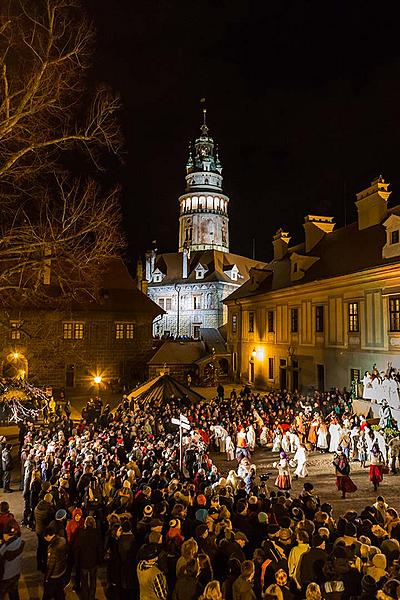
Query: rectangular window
point(161, 303)
point(129, 331)
point(124, 331)
point(354, 375)
point(196, 302)
point(251, 322)
point(234, 362)
point(168, 304)
point(394, 237)
point(270, 368)
point(234, 323)
point(15, 330)
point(294, 320)
point(119, 331)
point(394, 313)
point(73, 330)
point(319, 319)
point(271, 325)
point(353, 316)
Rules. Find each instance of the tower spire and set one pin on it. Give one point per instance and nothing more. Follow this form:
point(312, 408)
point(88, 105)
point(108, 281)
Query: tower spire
point(204, 128)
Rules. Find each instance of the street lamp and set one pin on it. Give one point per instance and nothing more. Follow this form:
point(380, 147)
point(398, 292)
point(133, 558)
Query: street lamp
point(178, 292)
point(254, 353)
point(16, 355)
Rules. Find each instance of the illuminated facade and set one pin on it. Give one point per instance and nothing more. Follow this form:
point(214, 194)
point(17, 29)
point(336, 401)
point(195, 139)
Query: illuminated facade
point(324, 311)
point(189, 285)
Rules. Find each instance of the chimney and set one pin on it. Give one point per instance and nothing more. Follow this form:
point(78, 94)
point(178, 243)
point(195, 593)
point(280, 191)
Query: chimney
point(315, 227)
point(280, 243)
point(372, 203)
point(150, 263)
point(141, 283)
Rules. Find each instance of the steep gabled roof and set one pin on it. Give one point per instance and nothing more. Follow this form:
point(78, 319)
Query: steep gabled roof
point(217, 263)
point(161, 389)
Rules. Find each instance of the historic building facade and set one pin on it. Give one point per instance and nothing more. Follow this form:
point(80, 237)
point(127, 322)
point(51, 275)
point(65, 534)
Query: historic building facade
point(190, 285)
point(109, 338)
point(322, 312)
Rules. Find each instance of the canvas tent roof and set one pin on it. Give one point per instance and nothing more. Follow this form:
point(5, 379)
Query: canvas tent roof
point(161, 389)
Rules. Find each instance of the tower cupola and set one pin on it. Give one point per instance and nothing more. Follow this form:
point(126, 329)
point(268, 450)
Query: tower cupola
point(203, 220)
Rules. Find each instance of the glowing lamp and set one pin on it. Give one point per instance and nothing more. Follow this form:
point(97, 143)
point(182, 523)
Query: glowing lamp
point(254, 353)
point(260, 354)
point(16, 355)
point(97, 379)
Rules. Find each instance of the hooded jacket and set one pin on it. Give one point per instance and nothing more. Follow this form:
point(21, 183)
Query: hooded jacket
point(74, 528)
point(378, 568)
point(11, 554)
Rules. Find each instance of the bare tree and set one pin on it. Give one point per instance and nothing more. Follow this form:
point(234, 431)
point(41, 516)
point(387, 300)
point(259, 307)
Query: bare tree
point(51, 222)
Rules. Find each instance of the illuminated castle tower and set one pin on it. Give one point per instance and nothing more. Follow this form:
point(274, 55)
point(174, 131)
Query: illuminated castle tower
point(203, 220)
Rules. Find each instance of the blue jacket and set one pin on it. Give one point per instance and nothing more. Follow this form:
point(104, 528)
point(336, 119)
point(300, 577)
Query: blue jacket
point(10, 556)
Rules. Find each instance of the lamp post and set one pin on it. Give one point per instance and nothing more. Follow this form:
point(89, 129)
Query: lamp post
point(97, 380)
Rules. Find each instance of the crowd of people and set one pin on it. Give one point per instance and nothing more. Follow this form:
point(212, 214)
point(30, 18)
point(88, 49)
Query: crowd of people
point(108, 490)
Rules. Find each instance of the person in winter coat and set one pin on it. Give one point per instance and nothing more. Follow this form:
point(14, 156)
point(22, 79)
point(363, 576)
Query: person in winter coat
point(34, 493)
point(369, 589)
point(6, 462)
point(88, 556)
point(234, 570)
point(127, 551)
point(56, 565)
point(5, 517)
point(377, 568)
point(243, 586)
point(187, 586)
point(44, 514)
point(152, 582)
point(10, 556)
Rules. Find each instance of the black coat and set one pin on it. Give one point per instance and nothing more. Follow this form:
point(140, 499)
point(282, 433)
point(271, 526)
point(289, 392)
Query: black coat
point(187, 588)
point(89, 549)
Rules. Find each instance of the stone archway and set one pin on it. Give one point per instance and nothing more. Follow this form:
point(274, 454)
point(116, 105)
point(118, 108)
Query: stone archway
point(15, 366)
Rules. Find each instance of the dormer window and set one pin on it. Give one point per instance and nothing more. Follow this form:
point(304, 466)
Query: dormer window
point(295, 268)
point(392, 247)
point(200, 271)
point(158, 276)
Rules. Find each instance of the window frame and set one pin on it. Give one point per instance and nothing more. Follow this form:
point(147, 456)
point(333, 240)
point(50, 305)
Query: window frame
point(124, 331)
point(271, 321)
point(294, 320)
point(75, 330)
point(15, 329)
point(234, 321)
point(394, 314)
point(271, 370)
point(251, 321)
point(319, 318)
point(394, 233)
point(354, 317)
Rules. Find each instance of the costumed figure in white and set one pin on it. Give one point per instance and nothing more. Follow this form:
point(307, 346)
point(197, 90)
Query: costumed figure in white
point(335, 432)
point(251, 438)
point(301, 458)
point(277, 441)
point(243, 468)
point(229, 448)
point(264, 436)
point(368, 393)
point(294, 440)
point(322, 437)
point(286, 442)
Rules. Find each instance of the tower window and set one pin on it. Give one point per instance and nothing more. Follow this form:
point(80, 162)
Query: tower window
point(15, 332)
point(394, 237)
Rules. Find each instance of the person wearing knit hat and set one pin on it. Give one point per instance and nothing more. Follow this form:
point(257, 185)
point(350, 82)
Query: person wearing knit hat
point(148, 511)
point(201, 500)
point(48, 498)
point(262, 517)
point(61, 514)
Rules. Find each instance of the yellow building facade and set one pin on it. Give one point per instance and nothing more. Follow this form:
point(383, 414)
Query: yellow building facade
point(324, 311)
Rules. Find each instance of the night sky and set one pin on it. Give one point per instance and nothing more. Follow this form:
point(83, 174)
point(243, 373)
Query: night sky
point(303, 100)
